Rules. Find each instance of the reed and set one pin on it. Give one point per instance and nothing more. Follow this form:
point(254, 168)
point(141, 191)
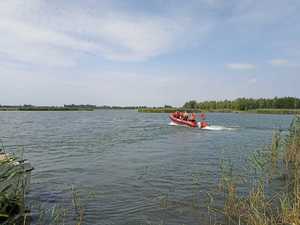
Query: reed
point(260, 206)
point(70, 212)
point(12, 188)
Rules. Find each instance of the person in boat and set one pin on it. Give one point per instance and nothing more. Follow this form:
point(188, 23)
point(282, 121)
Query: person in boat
point(175, 114)
point(180, 115)
point(185, 116)
point(192, 117)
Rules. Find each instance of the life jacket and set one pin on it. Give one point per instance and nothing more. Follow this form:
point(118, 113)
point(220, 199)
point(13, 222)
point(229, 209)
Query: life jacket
point(193, 116)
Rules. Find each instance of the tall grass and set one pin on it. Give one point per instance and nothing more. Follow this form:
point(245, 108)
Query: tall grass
point(12, 188)
point(60, 214)
point(277, 168)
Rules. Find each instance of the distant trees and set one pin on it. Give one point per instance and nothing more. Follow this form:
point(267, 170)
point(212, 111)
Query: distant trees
point(191, 104)
point(246, 104)
point(80, 106)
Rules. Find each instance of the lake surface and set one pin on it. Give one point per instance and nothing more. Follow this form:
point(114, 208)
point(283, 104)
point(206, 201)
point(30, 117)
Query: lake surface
point(128, 167)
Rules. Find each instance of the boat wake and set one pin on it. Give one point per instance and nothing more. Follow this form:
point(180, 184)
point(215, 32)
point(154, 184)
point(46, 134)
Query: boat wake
point(213, 127)
point(218, 128)
point(174, 124)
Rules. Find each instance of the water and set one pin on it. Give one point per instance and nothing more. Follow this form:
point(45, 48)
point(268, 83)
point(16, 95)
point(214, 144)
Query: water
point(132, 168)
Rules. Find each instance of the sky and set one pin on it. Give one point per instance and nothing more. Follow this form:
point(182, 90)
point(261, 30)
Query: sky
point(154, 52)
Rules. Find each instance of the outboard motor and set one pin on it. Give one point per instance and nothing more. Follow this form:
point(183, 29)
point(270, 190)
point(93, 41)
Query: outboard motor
point(203, 123)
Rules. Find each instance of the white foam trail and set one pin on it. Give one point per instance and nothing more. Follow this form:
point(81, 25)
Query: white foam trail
point(218, 128)
point(176, 124)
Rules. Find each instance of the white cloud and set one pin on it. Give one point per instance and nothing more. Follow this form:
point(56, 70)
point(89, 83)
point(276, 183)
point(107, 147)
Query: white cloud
point(279, 62)
point(252, 80)
point(130, 39)
point(37, 34)
point(241, 66)
point(26, 43)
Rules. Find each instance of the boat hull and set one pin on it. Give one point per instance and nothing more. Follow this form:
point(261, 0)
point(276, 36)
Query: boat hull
point(183, 122)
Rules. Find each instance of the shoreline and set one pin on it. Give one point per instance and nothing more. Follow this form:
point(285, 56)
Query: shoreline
point(151, 110)
point(45, 109)
point(253, 111)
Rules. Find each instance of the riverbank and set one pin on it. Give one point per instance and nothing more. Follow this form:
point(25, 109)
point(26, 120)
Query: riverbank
point(257, 111)
point(275, 111)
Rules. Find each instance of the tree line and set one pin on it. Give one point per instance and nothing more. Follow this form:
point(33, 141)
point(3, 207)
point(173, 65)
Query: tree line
point(244, 104)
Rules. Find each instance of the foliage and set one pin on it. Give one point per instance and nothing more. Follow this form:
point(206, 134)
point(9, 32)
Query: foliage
point(243, 104)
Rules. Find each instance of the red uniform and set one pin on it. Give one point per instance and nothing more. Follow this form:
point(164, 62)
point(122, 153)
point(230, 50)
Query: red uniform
point(193, 117)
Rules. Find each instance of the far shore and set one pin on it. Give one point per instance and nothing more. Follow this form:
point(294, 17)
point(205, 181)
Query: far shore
point(257, 111)
point(63, 108)
point(147, 109)
point(44, 109)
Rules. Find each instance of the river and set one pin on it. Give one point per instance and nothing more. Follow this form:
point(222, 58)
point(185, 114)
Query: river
point(128, 167)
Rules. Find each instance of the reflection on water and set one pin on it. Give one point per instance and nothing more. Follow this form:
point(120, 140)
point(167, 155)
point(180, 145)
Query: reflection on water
point(139, 169)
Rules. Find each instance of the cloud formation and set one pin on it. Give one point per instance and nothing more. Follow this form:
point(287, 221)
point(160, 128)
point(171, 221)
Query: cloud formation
point(49, 49)
point(39, 34)
point(279, 62)
point(241, 66)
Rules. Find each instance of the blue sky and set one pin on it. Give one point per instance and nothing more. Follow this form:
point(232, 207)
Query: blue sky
point(152, 53)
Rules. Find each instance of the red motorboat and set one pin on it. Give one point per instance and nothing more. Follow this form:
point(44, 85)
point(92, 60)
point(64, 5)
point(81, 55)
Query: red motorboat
point(178, 119)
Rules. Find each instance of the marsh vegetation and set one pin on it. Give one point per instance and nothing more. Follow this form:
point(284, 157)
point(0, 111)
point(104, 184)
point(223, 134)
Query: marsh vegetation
point(14, 181)
point(267, 191)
